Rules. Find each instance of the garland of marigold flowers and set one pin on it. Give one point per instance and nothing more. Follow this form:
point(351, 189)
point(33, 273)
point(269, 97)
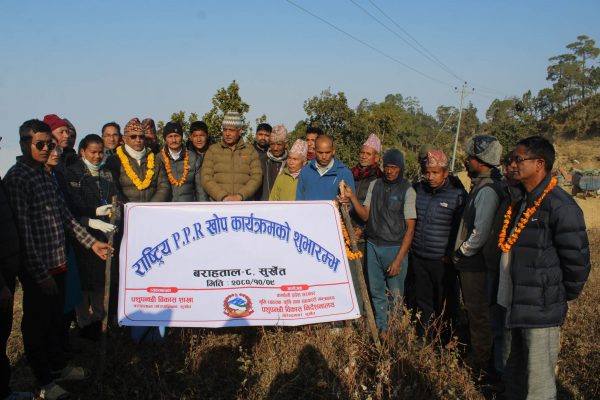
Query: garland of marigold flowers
point(352, 255)
point(139, 184)
point(186, 168)
point(504, 243)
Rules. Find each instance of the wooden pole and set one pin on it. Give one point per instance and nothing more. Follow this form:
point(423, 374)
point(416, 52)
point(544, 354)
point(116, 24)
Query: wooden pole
point(362, 284)
point(114, 218)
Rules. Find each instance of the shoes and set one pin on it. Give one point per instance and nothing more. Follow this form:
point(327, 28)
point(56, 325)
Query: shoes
point(52, 391)
point(19, 396)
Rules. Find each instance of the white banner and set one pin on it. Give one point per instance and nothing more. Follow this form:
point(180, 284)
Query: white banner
point(234, 264)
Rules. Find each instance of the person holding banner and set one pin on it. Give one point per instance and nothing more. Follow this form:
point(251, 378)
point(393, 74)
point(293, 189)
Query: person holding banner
point(390, 213)
point(136, 171)
point(231, 170)
point(42, 218)
point(284, 188)
point(91, 187)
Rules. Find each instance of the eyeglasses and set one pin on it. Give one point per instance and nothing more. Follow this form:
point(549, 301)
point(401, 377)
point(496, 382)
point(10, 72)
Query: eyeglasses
point(134, 137)
point(519, 160)
point(41, 144)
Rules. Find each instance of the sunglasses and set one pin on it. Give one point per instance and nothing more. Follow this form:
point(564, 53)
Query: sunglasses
point(134, 137)
point(41, 144)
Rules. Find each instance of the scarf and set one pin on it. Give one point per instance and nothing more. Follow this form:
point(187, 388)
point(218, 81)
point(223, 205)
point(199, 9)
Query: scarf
point(360, 173)
point(277, 159)
point(93, 167)
point(136, 155)
point(492, 174)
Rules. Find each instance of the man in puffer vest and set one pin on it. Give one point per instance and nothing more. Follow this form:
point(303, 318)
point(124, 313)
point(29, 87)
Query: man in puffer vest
point(440, 202)
point(483, 155)
point(545, 262)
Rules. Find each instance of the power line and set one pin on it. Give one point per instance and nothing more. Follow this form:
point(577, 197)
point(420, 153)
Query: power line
point(429, 57)
point(369, 45)
point(439, 62)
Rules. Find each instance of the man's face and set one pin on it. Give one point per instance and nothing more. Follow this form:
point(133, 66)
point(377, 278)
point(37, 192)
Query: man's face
point(62, 136)
point(473, 166)
point(135, 140)
point(111, 137)
point(367, 157)
point(94, 153)
point(262, 138)
point(54, 155)
point(199, 139)
point(524, 166)
point(231, 135)
point(278, 148)
point(72, 138)
point(38, 139)
point(173, 141)
point(311, 139)
point(391, 172)
point(435, 176)
point(325, 151)
point(294, 162)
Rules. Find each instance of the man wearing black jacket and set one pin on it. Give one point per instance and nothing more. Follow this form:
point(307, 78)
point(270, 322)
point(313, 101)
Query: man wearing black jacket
point(545, 262)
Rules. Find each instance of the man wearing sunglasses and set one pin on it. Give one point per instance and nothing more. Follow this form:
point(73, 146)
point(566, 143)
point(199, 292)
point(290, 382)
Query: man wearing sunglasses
point(132, 161)
point(483, 155)
point(42, 219)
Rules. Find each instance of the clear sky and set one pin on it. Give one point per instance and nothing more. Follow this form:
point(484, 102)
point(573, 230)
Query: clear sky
point(96, 61)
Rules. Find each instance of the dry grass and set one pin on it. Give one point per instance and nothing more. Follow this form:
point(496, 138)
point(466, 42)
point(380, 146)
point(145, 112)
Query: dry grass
point(314, 362)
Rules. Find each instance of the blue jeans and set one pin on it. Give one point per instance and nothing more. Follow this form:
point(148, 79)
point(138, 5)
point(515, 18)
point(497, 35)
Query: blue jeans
point(385, 291)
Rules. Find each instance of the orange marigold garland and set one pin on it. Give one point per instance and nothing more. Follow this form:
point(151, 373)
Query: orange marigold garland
point(139, 184)
point(504, 243)
point(186, 168)
point(352, 255)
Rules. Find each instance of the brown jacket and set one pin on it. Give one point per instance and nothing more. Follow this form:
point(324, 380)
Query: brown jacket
point(159, 189)
point(226, 171)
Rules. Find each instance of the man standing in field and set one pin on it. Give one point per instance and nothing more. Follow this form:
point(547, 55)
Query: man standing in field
point(231, 170)
point(545, 262)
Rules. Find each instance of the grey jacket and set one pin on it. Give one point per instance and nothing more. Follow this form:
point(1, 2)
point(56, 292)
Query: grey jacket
point(191, 190)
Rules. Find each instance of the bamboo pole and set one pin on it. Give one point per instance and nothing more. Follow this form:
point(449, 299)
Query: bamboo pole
point(362, 284)
point(114, 218)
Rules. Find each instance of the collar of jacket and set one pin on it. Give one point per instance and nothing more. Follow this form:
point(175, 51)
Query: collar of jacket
point(337, 164)
point(30, 162)
point(181, 153)
point(537, 191)
point(239, 145)
point(439, 189)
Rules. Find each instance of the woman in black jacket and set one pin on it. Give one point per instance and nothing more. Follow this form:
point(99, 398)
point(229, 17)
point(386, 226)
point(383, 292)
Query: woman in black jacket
point(91, 189)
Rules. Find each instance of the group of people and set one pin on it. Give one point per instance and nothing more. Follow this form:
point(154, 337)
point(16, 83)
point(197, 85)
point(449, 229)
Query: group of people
point(514, 248)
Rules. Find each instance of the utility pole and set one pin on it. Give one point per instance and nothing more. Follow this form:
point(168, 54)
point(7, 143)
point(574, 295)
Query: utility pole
point(463, 94)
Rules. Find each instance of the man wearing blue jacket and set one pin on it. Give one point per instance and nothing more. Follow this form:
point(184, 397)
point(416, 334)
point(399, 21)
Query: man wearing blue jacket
point(321, 177)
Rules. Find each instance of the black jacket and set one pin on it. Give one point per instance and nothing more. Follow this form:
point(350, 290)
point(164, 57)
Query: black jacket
point(550, 262)
point(386, 225)
point(9, 240)
point(438, 217)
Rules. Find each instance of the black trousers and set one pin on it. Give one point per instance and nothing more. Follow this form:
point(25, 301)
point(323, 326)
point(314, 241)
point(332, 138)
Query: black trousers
point(41, 328)
point(6, 319)
point(435, 290)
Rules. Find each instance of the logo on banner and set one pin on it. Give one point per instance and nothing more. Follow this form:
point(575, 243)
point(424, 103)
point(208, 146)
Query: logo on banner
point(237, 305)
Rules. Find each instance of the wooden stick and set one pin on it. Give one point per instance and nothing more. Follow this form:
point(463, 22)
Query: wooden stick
point(114, 217)
point(362, 284)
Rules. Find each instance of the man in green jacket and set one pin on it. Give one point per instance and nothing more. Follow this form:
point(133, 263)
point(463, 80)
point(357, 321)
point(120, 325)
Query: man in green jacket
point(231, 170)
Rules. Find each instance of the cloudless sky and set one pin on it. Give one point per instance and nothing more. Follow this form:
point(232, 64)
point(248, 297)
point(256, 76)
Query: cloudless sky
point(96, 61)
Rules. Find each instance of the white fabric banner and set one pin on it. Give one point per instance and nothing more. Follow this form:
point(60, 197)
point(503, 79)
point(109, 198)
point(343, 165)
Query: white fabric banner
point(234, 264)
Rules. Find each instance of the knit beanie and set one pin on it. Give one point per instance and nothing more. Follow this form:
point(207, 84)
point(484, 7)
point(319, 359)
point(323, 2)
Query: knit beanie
point(233, 119)
point(55, 122)
point(485, 148)
point(394, 157)
point(172, 127)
